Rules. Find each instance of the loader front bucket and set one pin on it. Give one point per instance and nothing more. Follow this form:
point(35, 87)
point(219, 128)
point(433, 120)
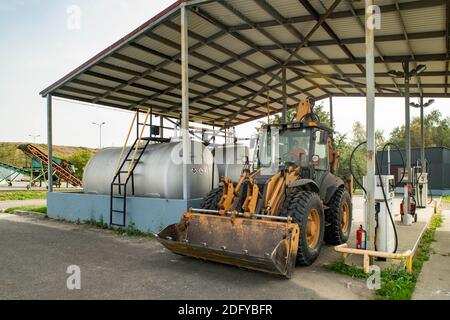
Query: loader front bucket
point(263, 245)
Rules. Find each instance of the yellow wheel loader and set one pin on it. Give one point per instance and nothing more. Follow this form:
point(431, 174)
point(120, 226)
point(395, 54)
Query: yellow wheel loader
point(280, 211)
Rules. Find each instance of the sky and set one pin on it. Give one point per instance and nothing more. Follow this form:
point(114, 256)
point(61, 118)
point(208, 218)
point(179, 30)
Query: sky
point(38, 46)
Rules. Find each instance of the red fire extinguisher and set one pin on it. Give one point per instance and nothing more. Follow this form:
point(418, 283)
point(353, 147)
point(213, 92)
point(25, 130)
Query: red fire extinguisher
point(361, 236)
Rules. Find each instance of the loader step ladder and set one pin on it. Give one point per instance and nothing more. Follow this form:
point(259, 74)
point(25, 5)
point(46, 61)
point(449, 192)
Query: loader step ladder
point(127, 163)
point(35, 153)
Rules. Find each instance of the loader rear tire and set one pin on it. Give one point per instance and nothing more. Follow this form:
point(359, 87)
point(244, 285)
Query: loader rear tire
point(339, 218)
point(306, 210)
point(211, 201)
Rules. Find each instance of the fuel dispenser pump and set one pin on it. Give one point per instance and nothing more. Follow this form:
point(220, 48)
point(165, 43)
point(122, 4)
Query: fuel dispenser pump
point(384, 228)
point(421, 184)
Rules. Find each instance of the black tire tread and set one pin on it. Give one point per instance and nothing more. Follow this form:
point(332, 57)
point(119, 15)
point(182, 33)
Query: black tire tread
point(333, 232)
point(212, 199)
point(295, 204)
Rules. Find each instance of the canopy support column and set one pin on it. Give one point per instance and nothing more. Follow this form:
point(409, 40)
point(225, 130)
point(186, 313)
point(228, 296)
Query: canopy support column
point(185, 101)
point(50, 143)
point(284, 113)
point(370, 125)
point(406, 70)
point(422, 135)
point(331, 112)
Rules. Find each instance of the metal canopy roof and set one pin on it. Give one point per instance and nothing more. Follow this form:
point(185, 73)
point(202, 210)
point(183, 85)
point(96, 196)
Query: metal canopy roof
point(237, 46)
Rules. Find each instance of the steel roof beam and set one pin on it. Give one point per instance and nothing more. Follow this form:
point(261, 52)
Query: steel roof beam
point(333, 35)
point(266, 34)
point(392, 59)
point(361, 40)
point(343, 14)
point(360, 22)
point(302, 44)
point(316, 86)
point(278, 17)
point(399, 14)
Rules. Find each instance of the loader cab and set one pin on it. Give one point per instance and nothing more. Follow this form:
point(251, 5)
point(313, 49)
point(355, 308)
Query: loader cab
point(303, 145)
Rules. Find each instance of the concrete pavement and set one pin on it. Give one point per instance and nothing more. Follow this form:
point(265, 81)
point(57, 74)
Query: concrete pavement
point(434, 281)
point(36, 254)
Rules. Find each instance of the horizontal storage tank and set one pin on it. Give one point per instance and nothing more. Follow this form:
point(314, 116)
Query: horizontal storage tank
point(229, 160)
point(159, 173)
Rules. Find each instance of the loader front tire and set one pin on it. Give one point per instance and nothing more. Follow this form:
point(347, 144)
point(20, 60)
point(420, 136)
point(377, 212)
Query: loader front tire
point(211, 201)
point(306, 210)
point(339, 218)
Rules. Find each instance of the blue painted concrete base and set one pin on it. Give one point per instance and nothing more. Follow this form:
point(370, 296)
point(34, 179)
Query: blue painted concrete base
point(146, 214)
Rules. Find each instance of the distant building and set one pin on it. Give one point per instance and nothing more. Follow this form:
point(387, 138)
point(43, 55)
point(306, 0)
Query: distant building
point(438, 163)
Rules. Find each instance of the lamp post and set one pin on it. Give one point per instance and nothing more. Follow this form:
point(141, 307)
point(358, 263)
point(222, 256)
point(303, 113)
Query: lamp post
point(422, 106)
point(34, 137)
point(99, 125)
point(407, 74)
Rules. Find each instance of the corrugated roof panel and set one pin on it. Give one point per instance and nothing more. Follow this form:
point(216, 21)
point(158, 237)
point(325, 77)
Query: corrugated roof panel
point(112, 73)
point(390, 24)
point(97, 80)
point(288, 8)
point(212, 80)
point(157, 46)
point(306, 27)
point(346, 28)
point(425, 19)
point(428, 46)
point(124, 64)
point(333, 52)
point(199, 26)
point(217, 11)
point(283, 35)
point(227, 75)
point(214, 54)
point(140, 55)
point(250, 10)
point(243, 67)
point(394, 48)
point(233, 44)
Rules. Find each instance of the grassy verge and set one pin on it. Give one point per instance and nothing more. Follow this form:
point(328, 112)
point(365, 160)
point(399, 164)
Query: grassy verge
point(35, 209)
point(130, 230)
point(396, 283)
point(446, 199)
point(22, 195)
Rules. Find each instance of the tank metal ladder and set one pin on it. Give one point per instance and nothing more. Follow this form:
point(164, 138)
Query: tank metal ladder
point(126, 166)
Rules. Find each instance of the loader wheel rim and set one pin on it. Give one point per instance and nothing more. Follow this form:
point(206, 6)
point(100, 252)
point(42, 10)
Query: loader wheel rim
point(345, 219)
point(313, 229)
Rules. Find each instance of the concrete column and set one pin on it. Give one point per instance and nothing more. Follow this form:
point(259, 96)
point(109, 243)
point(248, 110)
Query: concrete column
point(284, 113)
point(331, 112)
point(407, 137)
point(50, 143)
point(422, 135)
point(370, 127)
point(185, 101)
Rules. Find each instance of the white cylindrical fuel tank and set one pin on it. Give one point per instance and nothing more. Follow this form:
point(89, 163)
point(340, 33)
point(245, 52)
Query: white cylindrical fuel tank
point(159, 174)
point(229, 160)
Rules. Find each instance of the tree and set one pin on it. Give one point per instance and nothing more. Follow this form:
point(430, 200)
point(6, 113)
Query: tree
point(79, 160)
point(436, 131)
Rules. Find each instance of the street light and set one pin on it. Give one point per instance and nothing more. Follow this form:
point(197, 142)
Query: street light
point(34, 137)
point(99, 125)
point(422, 106)
point(407, 74)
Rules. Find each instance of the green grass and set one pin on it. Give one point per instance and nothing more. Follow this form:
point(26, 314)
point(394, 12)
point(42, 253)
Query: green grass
point(130, 230)
point(36, 209)
point(22, 195)
point(396, 282)
point(446, 199)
